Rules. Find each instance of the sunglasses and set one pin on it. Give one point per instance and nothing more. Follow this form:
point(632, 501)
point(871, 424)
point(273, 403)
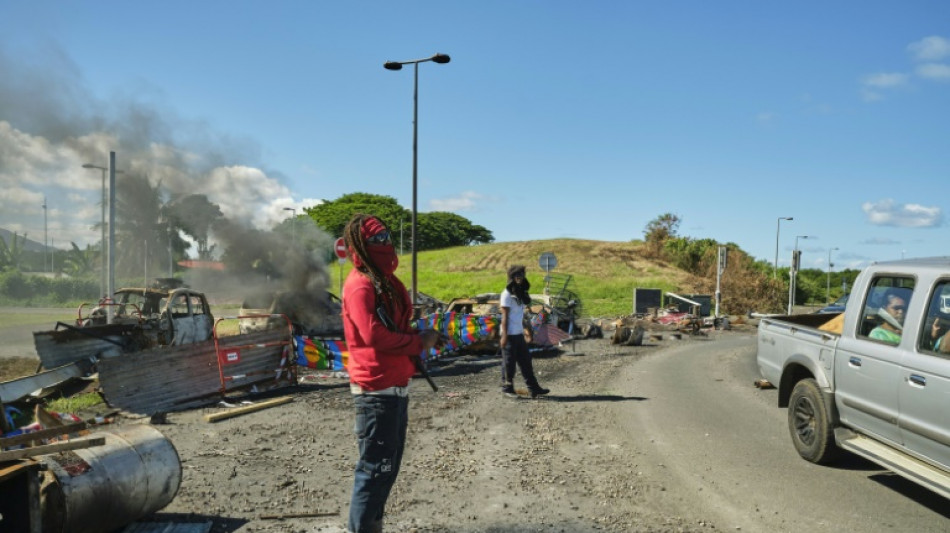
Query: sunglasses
point(380, 238)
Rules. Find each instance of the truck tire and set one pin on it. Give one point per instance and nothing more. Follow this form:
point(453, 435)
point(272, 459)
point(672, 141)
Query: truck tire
point(809, 423)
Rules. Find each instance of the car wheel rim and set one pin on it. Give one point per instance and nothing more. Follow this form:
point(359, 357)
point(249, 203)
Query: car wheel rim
point(805, 421)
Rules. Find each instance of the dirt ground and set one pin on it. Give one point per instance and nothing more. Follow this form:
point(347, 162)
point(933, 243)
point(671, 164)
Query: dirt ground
point(475, 461)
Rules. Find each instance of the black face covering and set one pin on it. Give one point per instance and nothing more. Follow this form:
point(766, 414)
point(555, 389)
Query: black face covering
point(520, 291)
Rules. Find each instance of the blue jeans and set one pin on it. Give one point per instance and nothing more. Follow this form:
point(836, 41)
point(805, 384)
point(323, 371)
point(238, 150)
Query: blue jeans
point(381, 423)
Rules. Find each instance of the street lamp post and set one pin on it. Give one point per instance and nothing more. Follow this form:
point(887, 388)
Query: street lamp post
point(778, 227)
point(828, 283)
point(293, 225)
point(102, 279)
point(397, 65)
point(45, 233)
point(793, 273)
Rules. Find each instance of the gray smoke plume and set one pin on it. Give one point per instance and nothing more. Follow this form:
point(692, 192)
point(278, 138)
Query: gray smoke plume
point(51, 124)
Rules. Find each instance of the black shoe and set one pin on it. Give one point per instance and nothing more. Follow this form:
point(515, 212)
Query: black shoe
point(539, 391)
point(509, 391)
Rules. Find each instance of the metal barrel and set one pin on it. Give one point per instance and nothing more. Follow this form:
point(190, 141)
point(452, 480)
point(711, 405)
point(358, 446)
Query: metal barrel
point(134, 474)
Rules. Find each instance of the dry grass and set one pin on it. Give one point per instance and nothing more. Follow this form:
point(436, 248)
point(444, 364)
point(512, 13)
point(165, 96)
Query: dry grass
point(17, 367)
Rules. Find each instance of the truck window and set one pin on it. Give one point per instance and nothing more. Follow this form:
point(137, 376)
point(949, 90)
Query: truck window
point(196, 305)
point(885, 306)
point(935, 336)
point(179, 305)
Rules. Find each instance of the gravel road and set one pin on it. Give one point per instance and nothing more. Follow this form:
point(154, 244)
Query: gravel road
point(476, 461)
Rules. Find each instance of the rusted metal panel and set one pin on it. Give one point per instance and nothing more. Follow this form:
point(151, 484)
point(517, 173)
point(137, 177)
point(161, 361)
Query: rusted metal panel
point(161, 379)
point(18, 389)
point(182, 377)
point(64, 346)
point(262, 357)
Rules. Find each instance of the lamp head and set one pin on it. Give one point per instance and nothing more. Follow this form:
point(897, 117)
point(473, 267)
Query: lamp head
point(88, 165)
point(392, 65)
point(441, 59)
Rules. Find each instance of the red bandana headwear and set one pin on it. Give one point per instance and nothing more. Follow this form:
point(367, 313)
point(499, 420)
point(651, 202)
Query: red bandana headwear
point(383, 255)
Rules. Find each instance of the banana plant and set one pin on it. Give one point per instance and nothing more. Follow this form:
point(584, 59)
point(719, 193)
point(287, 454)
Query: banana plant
point(10, 254)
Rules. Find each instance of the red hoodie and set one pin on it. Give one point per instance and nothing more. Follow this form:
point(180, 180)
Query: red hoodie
point(379, 358)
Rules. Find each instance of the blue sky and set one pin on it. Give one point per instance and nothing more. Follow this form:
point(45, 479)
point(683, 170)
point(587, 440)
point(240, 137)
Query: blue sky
point(553, 119)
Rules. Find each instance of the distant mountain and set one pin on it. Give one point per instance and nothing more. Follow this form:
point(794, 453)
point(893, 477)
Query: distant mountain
point(29, 245)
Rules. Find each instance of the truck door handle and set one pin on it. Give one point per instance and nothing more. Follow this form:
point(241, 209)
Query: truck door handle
point(918, 380)
point(854, 361)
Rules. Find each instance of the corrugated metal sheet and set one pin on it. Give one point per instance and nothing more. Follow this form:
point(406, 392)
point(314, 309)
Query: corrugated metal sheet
point(161, 379)
point(17, 389)
point(182, 377)
point(260, 355)
point(61, 347)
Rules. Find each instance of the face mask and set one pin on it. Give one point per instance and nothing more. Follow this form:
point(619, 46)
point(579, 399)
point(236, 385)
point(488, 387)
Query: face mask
point(384, 257)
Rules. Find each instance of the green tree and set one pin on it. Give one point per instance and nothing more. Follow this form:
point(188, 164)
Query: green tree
point(194, 215)
point(332, 216)
point(443, 230)
point(658, 231)
point(435, 230)
point(80, 262)
point(145, 236)
point(689, 254)
point(11, 253)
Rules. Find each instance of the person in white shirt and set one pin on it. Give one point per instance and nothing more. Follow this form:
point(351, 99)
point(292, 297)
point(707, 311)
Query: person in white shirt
point(514, 344)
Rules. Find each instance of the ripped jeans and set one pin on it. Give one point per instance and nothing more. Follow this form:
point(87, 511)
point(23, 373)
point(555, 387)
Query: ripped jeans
point(381, 423)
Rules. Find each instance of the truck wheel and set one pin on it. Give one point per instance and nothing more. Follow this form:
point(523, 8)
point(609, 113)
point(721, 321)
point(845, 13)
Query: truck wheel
point(809, 424)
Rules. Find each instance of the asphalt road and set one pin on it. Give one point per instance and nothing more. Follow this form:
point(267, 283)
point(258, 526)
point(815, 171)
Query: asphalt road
point(724, 448)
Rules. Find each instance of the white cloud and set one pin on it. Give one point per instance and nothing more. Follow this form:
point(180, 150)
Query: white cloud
point(878, 241)
point(246, 194)
point(467, 201)
point(884, 80)
point(934, 71)
point(871, 96)
point(931, 48)
point(889, 213)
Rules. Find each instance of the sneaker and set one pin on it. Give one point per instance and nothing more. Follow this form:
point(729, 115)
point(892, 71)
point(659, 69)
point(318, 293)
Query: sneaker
point(539, 391)
point(509, 391)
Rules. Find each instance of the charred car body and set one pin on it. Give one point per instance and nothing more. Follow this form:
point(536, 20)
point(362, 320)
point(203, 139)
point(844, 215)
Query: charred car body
point(165, 314)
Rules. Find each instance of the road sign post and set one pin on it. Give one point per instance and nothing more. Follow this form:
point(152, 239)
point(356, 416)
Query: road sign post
point(339, 248)
point(547, 262)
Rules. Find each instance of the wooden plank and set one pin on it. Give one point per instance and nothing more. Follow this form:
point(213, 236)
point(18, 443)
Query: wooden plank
point(51, 448)
point(298, 515)
point(214, 417)
point(42, 434)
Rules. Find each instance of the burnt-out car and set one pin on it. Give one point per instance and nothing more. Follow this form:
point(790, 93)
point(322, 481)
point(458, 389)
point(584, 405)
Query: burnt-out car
point(164, 314)
point(312, 313)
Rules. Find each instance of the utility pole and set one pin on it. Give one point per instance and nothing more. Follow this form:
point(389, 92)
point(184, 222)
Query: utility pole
point(45, 235)
point(723, 257)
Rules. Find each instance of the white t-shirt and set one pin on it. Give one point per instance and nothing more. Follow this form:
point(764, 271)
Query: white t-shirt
point(515, 313)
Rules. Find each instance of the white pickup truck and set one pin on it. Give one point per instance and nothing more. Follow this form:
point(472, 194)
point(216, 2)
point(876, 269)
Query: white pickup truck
point(874, 380)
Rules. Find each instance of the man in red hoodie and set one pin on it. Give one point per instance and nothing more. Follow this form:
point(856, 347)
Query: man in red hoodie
point(376, 316)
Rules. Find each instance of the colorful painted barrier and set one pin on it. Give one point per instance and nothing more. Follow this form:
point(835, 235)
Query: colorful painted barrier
point(461, 330)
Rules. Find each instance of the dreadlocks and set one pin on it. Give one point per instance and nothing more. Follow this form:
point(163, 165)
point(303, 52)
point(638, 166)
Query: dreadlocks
point(354, 240)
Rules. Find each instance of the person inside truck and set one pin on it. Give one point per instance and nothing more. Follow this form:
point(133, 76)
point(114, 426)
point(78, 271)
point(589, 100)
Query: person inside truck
point(892, 313)
point(939, 333)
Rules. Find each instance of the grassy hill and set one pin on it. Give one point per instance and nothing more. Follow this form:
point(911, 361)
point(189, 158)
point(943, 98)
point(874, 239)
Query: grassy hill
point(604, 273)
